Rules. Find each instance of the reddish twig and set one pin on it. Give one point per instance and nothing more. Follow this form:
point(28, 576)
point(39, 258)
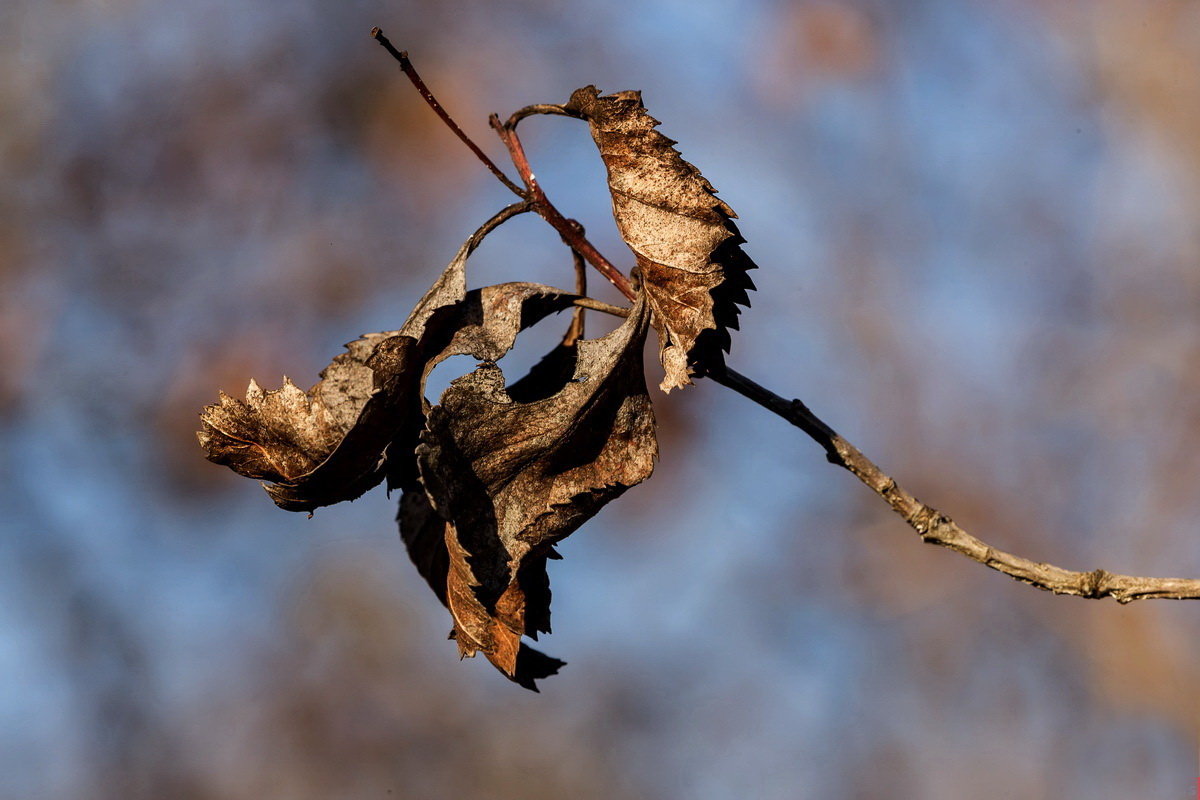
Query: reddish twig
point(571, 231)
point(411, 72)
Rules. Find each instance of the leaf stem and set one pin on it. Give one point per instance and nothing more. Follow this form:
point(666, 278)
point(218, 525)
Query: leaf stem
point(499, 218)
point(550, 109)
point(575, 331)
point(602, 307)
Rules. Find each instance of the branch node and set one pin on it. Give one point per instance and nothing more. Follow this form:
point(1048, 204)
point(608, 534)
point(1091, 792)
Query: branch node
point(1095, 583)
point(923, 521)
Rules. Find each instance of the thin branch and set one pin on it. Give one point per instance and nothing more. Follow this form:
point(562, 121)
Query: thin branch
point(411, 72)
point(793, 411)
point(937, 528)
point(933, 526)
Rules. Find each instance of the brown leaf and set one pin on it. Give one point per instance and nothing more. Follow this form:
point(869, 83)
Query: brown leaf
point(319, 446)
point(326, 445)
point(689, 259)
point(513, 471)
point(499, 475)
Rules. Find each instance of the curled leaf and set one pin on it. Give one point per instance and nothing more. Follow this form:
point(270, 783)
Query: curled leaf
point(512, 471)
point(689, 258)
point(492, 477)
point(321, 446)
point(326, 445)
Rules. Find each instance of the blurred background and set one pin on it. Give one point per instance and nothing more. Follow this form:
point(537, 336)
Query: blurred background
point(979, 228)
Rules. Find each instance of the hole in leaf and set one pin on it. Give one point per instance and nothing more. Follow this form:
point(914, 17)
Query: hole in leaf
point(537, 367)
point(445, 372)
point(532, 345)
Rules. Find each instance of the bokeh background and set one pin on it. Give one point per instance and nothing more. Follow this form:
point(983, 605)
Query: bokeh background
point(978, 223)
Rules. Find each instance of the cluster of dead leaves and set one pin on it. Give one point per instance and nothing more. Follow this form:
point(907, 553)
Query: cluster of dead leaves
point(496, 473)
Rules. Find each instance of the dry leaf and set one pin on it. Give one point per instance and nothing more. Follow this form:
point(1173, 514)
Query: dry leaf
point(492, 477)
point(689, 259)
point(511, 472)
point(326, 445)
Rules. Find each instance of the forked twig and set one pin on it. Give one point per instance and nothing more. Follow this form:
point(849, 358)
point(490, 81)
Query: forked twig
point(933, 526)
point(571, 231)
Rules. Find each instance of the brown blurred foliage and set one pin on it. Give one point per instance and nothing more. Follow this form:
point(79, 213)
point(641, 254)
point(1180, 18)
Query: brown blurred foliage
point(347, 703)
point(815, 43)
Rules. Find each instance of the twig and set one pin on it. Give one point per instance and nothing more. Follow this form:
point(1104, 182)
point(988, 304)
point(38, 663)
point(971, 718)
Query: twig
point(411, 72)
point(937, 528)
point(570, 230)
point(933, 526)
point(793, 411)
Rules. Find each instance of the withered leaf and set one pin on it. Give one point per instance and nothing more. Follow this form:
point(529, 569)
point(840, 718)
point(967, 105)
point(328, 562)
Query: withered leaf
point(508, 473)
point(689, 258)
point(326, 445)
point(492, 477)
point(321, 446)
